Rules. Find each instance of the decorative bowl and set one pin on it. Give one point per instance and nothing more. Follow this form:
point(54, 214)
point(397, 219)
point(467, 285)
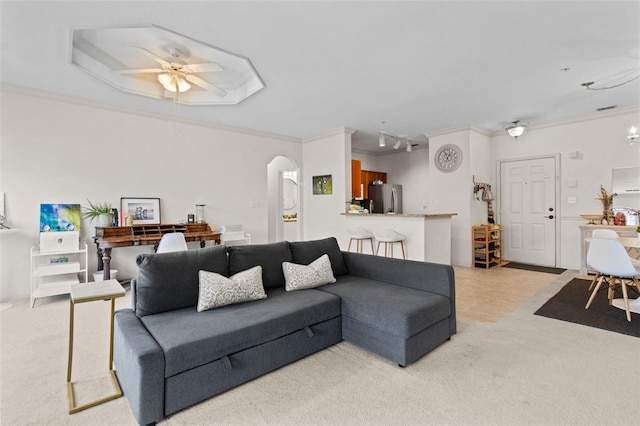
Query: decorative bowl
point(592, 218)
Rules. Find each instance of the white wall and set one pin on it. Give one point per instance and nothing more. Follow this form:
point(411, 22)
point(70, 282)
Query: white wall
point(452, 192)
point(57, 151)
point(480, 165)
point(601, 142)
point(328, 154)
point(411, 170)
point(368, 161)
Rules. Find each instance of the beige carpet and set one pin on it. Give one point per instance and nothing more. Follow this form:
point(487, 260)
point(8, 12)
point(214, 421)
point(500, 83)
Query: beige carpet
point(520, 370)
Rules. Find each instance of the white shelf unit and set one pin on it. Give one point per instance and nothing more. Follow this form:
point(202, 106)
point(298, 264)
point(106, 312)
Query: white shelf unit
point(52, 273)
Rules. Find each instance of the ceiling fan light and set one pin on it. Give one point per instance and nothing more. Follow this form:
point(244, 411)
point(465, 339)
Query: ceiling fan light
point(183, 86)
point(173, 83)
point(166, 80)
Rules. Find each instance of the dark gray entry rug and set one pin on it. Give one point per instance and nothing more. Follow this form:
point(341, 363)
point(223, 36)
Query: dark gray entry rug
point(568, 305)
point(535, 268)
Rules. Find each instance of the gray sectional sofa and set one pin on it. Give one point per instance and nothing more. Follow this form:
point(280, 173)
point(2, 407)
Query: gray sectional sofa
point(168, 356)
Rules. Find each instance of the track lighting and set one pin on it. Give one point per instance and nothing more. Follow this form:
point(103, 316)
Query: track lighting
point(633, 134)
point(383, 137)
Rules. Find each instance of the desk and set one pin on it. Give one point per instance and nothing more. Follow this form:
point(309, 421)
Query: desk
point(111, 237)
point(89, 292)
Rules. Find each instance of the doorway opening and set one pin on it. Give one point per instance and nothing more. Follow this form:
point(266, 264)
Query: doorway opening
point(283, 200)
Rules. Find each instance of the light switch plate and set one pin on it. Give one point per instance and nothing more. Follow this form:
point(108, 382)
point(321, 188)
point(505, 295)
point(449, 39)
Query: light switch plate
point(571, 200)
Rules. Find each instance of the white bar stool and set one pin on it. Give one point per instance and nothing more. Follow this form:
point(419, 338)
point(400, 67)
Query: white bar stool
point(360, 235)
point(389, 236)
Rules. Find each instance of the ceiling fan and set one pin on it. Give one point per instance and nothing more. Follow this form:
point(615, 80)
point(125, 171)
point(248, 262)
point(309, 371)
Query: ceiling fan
point(176, 75)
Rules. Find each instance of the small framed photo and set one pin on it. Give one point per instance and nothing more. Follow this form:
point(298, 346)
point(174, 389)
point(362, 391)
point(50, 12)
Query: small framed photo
point(322, 185)
point(143, 211)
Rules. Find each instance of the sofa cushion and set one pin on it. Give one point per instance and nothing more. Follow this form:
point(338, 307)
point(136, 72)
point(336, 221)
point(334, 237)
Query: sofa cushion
point(305, 252)
point(169, 281)
point(223, 331)
point(269, 256)
point(315, 274)
point(397, 310)
point(217, 290)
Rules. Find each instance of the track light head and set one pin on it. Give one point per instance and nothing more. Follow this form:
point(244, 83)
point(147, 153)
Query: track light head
point(381, 141)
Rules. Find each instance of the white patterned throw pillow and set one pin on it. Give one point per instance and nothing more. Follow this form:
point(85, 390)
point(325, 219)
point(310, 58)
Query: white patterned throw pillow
point(217, 290)
point(317, 273)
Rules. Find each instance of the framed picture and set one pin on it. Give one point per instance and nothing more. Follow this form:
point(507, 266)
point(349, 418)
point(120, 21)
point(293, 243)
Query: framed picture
point(322, 185)
point(59, 217)
point(144, 211)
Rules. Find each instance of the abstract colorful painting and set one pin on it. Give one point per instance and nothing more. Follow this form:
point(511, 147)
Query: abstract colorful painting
point(59, 217)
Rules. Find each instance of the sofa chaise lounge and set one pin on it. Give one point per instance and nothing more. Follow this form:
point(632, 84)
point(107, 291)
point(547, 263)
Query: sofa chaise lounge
point(168, 355)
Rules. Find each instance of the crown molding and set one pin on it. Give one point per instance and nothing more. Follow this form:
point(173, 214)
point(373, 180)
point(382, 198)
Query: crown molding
point(340, 131)
point(27, 91)
point(465, 128)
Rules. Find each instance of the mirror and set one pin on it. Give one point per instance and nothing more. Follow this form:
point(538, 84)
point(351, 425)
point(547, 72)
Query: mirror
point(626, 181)
point(289, 191)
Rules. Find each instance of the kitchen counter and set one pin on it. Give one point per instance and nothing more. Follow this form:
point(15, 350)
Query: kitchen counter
point(402, 214)
point(428, 234)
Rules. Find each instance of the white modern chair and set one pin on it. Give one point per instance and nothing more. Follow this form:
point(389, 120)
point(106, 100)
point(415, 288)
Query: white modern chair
point(173, 241)
point(609, 258)
point(389, 236)
point(360, 235)
point(612, 235)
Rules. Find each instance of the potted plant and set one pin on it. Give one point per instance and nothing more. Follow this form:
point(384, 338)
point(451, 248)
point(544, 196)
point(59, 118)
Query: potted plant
point(100, 211)
point(638, 231)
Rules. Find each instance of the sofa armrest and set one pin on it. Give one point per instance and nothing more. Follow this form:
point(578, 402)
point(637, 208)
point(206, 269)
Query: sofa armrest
point(140, 366)
point(431, 277)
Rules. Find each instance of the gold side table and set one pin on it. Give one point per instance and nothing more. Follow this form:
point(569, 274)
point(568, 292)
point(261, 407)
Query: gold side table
point(89, 292)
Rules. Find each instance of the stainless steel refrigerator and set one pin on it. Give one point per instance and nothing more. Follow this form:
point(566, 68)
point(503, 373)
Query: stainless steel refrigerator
point(385, 198)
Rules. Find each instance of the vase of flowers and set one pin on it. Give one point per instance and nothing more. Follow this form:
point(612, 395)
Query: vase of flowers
point(607, 204)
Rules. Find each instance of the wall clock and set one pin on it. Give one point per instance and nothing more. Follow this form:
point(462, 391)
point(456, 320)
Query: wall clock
point(448, 158)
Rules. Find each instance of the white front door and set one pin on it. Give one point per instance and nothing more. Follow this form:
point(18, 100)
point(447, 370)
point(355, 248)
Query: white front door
point(528, 210)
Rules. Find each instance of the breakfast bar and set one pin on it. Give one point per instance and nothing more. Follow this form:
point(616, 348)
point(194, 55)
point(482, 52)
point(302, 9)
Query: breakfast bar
point(428, 235)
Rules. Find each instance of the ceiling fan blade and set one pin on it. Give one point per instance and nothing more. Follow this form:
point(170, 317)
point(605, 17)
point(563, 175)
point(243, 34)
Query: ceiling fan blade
point(205, 85)
point(155, 57)
point(210, 67)
point(140, 71)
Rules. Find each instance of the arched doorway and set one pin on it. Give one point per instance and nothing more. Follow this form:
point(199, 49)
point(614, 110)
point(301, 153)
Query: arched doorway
point(283, 176)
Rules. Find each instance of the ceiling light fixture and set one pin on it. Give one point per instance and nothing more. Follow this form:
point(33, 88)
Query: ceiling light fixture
point(381, 141)
point(173, 83)
point(633, 134)
point(515, 129)
point(397, 144)
point(408, 145)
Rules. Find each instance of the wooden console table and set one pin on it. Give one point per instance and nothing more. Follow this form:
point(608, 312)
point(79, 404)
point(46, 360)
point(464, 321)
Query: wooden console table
point(111, 237)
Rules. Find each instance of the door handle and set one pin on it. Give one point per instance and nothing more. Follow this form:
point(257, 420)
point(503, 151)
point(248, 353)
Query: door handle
point(549, 217)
